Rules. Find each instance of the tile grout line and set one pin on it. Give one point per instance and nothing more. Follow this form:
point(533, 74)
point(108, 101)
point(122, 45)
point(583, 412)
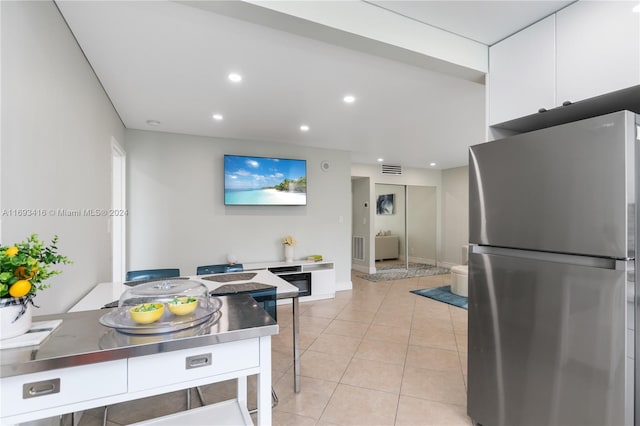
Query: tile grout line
point(346, 368)
point(404, 364)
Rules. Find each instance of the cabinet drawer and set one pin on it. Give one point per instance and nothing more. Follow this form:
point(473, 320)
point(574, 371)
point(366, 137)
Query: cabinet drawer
point(163, 369)
point(37, 391)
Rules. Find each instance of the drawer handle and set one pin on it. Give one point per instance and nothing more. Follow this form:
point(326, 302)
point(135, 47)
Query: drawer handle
point(197, 361)
point(46, 387)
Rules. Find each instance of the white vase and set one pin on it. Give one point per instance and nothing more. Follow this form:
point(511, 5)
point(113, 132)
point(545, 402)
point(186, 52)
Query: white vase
point(288, 253)
point(12, 327)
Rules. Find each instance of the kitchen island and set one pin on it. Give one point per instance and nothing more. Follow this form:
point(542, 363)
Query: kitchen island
point(107, 292)
point(83, 365)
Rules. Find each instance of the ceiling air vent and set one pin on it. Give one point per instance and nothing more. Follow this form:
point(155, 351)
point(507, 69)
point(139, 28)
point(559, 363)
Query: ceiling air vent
point(391, 170)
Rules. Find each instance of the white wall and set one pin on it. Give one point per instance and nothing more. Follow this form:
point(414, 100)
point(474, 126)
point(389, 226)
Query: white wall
point(455, 213)
point(178, 217)
point(57, 125)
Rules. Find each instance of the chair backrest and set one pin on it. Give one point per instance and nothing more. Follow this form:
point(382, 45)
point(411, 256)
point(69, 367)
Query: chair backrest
point(150, 274)
point(219, 269)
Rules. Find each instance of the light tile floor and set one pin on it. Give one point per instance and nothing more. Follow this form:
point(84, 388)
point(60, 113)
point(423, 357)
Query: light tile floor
point(375, 355)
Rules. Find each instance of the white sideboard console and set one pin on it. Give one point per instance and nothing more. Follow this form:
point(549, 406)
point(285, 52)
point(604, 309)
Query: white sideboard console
point(322, 275)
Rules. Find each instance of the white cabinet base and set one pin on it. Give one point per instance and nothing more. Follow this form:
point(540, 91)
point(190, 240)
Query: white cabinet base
point(323, 275)
point(229, 412)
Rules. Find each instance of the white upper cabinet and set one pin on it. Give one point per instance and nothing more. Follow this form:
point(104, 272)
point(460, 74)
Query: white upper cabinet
point(522, 72)
point(598, 49)
point(587, 49)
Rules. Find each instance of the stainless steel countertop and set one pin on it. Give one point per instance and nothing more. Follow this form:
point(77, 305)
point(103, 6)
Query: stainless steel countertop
point(81, 339)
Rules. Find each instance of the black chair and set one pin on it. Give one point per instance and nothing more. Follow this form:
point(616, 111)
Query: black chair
point(151, 274)
point(219, 269)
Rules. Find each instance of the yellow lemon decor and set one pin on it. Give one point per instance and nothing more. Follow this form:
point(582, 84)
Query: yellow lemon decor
point(24, 269)
point(25, 266)
point(182, 305)
point(11, 251)
point(20, 288)
point(146, 313)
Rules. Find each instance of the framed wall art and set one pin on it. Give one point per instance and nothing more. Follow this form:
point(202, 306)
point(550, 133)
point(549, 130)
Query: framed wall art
point(385, 204)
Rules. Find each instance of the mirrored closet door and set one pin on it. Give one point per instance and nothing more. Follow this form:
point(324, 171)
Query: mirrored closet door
point(405, 226)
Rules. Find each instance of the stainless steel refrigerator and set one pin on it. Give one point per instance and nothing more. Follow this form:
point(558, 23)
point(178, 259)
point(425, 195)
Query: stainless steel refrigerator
point(552, 289)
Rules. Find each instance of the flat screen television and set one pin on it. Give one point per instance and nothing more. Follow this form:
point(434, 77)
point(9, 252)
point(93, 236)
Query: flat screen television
point(264, 181)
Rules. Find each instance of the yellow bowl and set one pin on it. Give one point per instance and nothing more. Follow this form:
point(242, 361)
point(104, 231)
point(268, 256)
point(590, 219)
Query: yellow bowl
point(147, 316)
point(182, 307)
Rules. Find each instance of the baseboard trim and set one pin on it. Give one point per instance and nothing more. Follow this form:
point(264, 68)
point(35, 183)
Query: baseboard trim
point(363, 268)
point(346, 285)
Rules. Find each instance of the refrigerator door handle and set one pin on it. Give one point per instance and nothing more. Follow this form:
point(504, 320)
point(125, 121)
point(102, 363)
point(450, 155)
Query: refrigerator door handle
point(569, 259)
point(623, 265)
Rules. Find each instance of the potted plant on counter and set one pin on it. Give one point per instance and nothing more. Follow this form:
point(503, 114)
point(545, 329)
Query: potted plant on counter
point(24, 268)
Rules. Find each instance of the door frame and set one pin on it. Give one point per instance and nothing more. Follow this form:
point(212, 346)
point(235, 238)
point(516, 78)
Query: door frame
point(118, 220)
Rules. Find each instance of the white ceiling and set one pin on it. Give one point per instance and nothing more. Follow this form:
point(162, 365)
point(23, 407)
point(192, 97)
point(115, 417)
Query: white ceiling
point(169, 62)
point(486, 22)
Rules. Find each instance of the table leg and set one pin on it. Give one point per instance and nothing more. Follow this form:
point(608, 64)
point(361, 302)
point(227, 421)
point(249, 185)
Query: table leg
point(296, 346)
point(241, 391)
point(264, 383)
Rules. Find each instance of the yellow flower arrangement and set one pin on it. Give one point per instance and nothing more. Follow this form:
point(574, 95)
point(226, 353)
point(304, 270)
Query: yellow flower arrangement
point(25, 265)
point(289, 240)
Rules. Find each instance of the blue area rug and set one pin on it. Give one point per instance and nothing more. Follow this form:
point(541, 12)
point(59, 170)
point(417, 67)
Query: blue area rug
point(443, 294)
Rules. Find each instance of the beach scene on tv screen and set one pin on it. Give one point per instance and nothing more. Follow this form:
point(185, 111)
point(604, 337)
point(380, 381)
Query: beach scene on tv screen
point(264, 181)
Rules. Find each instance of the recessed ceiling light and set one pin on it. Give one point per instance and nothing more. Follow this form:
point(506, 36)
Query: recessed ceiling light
point(636, 8)
point(235, 77)
point(153, 122)
point(432, 164)
point(217, 117)
point(349, 99)
point(304, 128)
point(380, 160)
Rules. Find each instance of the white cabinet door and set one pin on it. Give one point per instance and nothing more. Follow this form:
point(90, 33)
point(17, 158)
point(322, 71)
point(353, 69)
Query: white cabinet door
point(522, 73)
point(598, 49)
point(323, 283)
